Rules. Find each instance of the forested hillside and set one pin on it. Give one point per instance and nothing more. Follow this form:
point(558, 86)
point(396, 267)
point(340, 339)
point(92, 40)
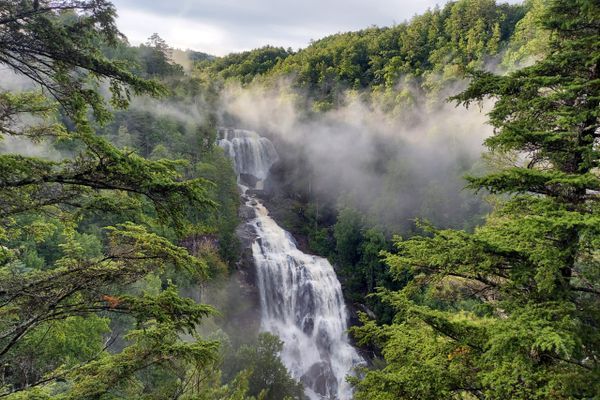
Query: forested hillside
point(437, 46)
point(392, 85)
point(446, 166)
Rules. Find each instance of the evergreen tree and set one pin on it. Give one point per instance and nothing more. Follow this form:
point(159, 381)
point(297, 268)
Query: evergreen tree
point(76, 284)
point(512, 311)
point(157, 57)
point(269, 378)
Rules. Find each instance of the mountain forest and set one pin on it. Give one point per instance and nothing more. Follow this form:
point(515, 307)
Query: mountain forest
point(401, 212)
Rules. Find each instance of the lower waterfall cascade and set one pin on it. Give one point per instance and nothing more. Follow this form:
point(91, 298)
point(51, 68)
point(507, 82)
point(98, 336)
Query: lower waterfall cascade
point(301, 298)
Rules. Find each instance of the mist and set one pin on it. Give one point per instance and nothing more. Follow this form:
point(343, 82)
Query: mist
point(21, 145)
point(393, 166)
point(191, 112)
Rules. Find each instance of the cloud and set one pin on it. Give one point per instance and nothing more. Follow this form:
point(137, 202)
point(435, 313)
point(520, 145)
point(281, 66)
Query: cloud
point(179, 32)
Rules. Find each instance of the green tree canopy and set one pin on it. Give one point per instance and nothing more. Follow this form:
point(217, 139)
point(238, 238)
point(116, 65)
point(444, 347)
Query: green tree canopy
point(512, 310)
point(269, 376)
point(80, 281)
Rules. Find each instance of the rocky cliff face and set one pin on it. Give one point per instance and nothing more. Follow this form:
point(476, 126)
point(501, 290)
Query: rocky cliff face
point(246, 270)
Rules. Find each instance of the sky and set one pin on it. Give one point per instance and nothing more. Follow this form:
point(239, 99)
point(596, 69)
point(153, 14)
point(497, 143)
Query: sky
point(220, 27)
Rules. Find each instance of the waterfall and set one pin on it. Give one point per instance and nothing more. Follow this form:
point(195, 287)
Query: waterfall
point(300, 296)
point(252, 155)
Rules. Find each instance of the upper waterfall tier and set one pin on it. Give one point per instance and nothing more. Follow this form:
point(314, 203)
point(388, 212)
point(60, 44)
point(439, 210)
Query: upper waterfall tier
point(252, 154)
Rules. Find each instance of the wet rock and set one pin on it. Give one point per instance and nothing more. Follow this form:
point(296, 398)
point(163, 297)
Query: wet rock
point(321, 379)
point(246, 213)
point(254, 192)
point(246, 235)
point(249, 180)
point(308, 324)
point(248, 317)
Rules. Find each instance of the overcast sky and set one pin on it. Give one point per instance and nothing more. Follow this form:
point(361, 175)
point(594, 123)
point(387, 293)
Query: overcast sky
point(223, 26)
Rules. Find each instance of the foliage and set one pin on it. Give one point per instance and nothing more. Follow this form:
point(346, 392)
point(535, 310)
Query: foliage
point(268, 377)
point(443, 41)
point(54, 43)
point(357, 256)
point(156, 55)
point(511, 310)
point(530, 40)
point(247, 65)
point(89, 235)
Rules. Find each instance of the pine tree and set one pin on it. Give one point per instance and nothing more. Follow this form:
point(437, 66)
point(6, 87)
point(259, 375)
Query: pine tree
point(512, 311)
point(56, 45)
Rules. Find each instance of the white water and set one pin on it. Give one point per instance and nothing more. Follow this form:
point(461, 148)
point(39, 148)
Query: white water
point(300, 295)
point(252, 155)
